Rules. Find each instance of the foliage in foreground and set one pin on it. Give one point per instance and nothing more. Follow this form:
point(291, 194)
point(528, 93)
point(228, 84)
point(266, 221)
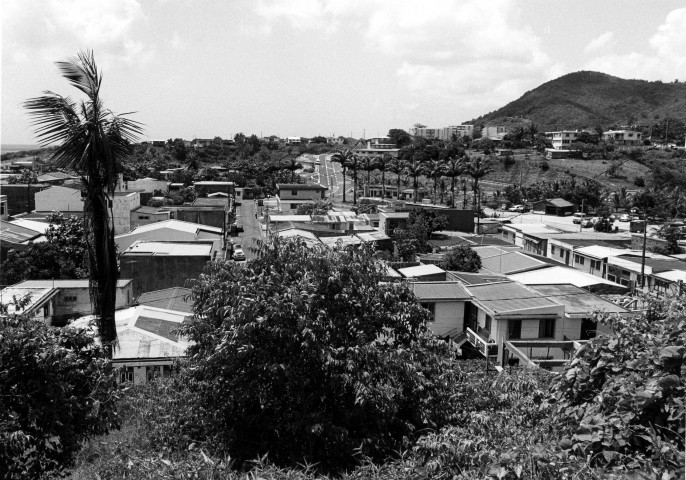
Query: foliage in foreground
point(56, 389)
point(304, 354)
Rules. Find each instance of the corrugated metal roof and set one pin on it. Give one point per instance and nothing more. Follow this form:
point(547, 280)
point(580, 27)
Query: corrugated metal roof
point(12, 233)
point(191, 249)
point(77, 283)
point(179, 225)
point(420, 271)
point(672, 275)
point(511, 262)
point(509, 297)
point(578, 301)
point(439, 291)
point(560, 275)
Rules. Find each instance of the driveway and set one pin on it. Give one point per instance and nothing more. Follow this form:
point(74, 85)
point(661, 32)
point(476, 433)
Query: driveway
point(251, 227)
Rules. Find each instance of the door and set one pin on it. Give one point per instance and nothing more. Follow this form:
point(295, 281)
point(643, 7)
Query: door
point(567, 257)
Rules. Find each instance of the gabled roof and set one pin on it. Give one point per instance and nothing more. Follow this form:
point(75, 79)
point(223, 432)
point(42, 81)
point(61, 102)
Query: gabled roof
point(144, 333)
point(476, 278)
point(432, 291)
point(559, 203)
point(509, 262)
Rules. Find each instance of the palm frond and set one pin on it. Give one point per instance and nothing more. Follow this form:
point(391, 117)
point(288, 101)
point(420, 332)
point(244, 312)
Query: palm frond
point(82, 73)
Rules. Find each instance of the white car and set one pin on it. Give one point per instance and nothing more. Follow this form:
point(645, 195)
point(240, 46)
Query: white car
point(516, 208)
point(625, 218)
point(238, 254)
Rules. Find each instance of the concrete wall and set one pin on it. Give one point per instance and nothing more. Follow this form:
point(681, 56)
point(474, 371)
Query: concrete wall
point(287, 194)
point(72, 302)
point(157, 272)
point(121, 210)
point(459, 220)
point(61, 199)
point(138, 219)
point(447, 316)
point(147, 185)
point(18, 196)
point(212, 217)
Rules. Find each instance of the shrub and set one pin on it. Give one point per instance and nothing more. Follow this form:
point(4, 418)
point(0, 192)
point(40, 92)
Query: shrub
point(462, 259)
point(56, 389)
point(544, 166)
point(639, 182)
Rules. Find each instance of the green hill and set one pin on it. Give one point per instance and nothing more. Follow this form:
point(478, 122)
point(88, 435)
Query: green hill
point(587, 99)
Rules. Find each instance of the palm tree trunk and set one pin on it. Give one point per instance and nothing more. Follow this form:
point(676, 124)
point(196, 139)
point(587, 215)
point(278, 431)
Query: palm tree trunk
point(452, 192)
point(344, 170)
point(397, 179)
point(383, 184)
point(476, 187)
point(354, 186)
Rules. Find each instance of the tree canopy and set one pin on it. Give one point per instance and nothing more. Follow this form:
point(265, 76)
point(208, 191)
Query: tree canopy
point(462, 259)
point(305, 354)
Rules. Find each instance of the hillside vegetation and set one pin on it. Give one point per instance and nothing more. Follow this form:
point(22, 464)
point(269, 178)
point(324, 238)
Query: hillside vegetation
point(586, 99)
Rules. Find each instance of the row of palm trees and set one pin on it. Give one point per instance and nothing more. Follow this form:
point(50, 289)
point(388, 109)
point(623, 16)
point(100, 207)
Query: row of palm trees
point(451, 167)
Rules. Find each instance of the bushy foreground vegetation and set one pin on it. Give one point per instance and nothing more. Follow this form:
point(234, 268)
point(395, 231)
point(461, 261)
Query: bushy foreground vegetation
point(304, 365)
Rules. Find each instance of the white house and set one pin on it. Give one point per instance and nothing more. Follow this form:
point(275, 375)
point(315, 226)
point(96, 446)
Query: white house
point(563, 139)
point(623, 137)
point(445, 301)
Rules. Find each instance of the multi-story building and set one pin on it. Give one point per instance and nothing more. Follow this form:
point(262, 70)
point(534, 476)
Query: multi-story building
point(563, 139)
point(623, 137)
point(443, 133)
point(376, 147)
point(494, 132)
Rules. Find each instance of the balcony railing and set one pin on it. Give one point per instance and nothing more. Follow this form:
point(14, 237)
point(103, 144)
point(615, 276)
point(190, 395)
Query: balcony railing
point(483, 345)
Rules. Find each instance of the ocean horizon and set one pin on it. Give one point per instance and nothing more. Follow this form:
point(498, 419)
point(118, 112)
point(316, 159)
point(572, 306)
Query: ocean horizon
point(17, 147)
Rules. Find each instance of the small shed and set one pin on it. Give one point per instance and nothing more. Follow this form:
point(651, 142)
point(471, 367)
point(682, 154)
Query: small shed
point(555, 206)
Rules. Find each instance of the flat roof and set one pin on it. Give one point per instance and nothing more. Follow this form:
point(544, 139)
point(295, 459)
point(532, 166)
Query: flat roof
point(179, 225)
point(672, 275)
point(530, 228)
point(420, 271)
point(180, 249)
point(509, 297)
point(395, 214)
point(38, 296)
point(290, 218)
point(439, 291)
point(598, 251)
point(214, 183)
point(176, 299)
point(577, 301)
point(477, 278)
point(561, 275)
point(40, 227)
point(345, 240)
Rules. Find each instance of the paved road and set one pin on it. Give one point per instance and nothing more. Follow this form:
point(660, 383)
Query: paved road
point(330, 175)
point(251, 227)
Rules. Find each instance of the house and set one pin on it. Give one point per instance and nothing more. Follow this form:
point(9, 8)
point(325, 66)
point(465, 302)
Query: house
point(494, 132)
point(147, 342)
point(670, 282)
point(594, 259)
point(290, 195)
point(561, 246)
point(579, 307)
point(390, 221)
point(144, 215)
point(571, 276)
point(376, 147)
point(528, 236)
point(17, 237)
point(408, 194)
point(555, 206)
point(623, 137)
point(503, 152)
point(156, 265)
point(206, 187)
point(306, 237)
point(56, 178)
point(150, 185)
point(171, 230)
point(377, 191)
point(445, 302)
point(293, 140)
point(627, 269)
point(202, 142)
point(37, 303)
point(73, 296)
point(4, 210)
point(176, 298)
point(427, 273)
point(511, 311)
point(22, 197)
point(215, 215)
point(562, 139)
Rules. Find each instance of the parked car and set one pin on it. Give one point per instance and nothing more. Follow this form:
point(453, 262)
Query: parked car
point(238, 254)
point(518, 208)
point(625, 218)
point(578, 217)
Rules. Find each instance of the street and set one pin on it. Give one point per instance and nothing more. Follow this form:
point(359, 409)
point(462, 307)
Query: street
point(251, 227)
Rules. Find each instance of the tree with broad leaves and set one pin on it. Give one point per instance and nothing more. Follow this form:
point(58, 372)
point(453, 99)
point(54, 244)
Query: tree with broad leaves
point(93, 142)
point(461, 259)
point(306, 354)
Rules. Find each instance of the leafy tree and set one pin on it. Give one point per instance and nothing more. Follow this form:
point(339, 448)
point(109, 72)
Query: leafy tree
point(620, 401)
point(27, 177)
point(318, 139)
point(414, 238)
point(400, 137)
point(304, 353)
point(57, 389)
point(318, 207)
point(93, 141)
point(672, 234)
point(532, 130)
point(462, 259)
point(63, 256)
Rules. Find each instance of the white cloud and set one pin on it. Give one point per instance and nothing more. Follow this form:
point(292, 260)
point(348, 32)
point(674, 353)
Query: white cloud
point(106, 26)
point(665, 61)
point(604, 41)
point(469, 51)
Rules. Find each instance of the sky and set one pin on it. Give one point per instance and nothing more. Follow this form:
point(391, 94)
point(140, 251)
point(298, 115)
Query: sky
point(194, 68)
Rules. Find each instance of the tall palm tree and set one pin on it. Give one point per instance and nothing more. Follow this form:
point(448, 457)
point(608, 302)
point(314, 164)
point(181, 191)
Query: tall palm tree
point(477, 169)
point(435, 169)
point(396, 166)
point(382, 163)
point(368, 164)
point(354, 164)
point(343, 157)
point(414, 169)
point(454, 168)
point(92, 142)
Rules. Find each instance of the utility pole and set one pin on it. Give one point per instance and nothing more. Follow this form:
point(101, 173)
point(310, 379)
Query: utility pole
point(643, 253)
point(581, 224)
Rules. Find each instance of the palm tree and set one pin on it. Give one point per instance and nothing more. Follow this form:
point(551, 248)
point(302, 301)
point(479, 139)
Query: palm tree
point(477, 170)
point(354, 164)
point(396, 166)
point(291, 163)
point(414, 169)
point(382, 163)
point(368, 164)
point(435, 168)
point(532, 130)
point(454, 168)
point(343, 157)
point(92, 142)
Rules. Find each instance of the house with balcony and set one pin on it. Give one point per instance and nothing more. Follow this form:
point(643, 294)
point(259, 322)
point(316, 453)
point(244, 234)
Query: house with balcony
point(501, 311)
point(390, 221)
point(623, 137)
point(445, 302)
point(291, 195)
point(562, 139)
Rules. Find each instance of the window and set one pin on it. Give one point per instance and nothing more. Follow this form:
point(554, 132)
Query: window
point(611, 278)
point(294, 206)
point(431, 307)
point(562, 253)
point(126, 374)
point(579, 259)
point(294, 193)
point(70, 298)
point(488, 323)
point(546, 328)
point(514, 329)
point(595, 264)
point(143, 217)
point(552, 249)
